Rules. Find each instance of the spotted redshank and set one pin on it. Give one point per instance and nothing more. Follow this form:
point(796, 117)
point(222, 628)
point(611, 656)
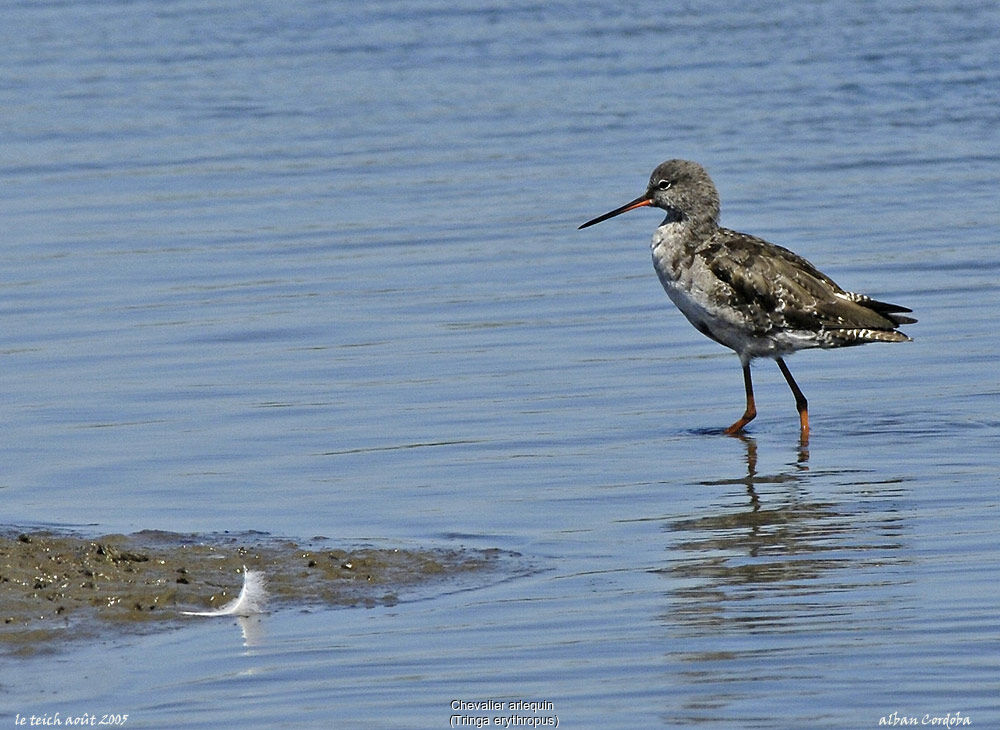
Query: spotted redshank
point(754, 297)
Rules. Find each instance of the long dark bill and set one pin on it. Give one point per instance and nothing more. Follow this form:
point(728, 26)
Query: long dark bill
point(639, 202)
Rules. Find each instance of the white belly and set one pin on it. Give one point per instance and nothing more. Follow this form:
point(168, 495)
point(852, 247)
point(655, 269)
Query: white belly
point(695, 290)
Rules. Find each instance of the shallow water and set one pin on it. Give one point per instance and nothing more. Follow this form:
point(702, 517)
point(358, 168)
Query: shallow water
point(313, 270)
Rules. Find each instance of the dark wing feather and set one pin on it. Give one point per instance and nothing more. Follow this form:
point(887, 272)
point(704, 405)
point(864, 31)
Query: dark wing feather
point(777, 289)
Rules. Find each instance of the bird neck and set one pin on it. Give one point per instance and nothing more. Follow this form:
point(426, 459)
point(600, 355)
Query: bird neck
point(674, 216)
point(701, 227)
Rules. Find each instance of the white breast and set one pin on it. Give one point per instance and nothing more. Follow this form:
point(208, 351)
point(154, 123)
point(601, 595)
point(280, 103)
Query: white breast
point(695, 290)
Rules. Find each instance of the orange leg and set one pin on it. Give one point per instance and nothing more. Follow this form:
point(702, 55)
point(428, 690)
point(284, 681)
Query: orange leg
point(751, 412)
point(801, 404)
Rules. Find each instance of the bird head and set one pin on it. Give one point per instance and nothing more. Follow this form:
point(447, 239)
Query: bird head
point(680, 187)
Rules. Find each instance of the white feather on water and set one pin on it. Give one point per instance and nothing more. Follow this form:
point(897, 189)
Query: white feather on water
point(251, 601)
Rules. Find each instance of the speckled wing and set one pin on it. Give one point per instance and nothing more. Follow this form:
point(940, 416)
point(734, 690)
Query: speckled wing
point(775, 290)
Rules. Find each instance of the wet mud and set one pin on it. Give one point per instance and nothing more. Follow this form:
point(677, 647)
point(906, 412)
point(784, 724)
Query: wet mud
point(56, 587)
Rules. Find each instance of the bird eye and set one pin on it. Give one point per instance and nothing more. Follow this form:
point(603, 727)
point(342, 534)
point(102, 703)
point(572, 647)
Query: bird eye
point(664, 184)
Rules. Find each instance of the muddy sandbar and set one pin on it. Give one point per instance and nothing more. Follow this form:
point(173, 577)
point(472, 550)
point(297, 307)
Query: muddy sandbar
point(54, 586)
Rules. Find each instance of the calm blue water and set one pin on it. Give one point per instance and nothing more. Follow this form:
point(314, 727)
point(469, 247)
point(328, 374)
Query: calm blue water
point(312, 269)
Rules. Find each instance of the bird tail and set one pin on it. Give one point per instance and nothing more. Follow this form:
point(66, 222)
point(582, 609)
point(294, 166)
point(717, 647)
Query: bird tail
point(847, 337)
point(892, 312)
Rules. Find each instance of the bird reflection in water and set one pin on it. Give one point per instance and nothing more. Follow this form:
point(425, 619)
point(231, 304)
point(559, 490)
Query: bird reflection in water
point(751, 460)
point(775, 556)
